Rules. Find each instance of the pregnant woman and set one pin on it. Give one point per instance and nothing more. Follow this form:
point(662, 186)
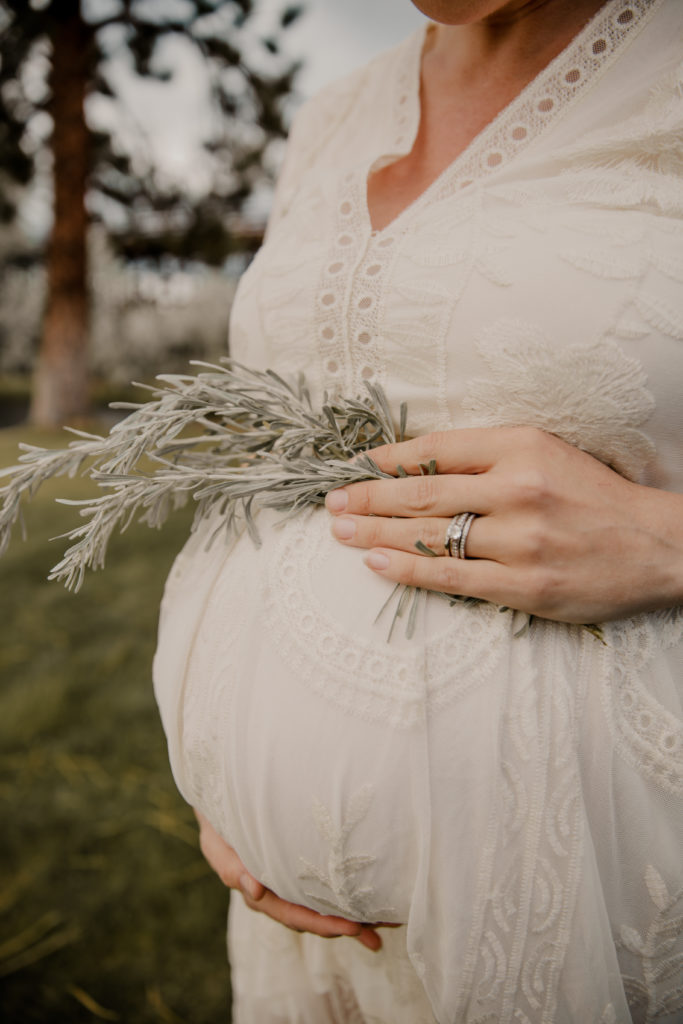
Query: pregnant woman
point(487, 221)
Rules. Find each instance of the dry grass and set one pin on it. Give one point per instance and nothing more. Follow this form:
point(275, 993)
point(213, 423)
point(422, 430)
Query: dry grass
point(107, 911)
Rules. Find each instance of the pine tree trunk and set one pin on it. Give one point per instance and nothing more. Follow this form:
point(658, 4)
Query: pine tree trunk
point(60, 389)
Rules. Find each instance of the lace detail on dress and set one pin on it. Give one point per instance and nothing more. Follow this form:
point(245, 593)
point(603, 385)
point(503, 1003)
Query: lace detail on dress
point(647, 735)
point(654, 313)
point(554, 91)
point(657, 954)
point(530, 865)
point(343, 893)
point(646, 150)
point(348, 296)
point(373, 679)
point(590, 394)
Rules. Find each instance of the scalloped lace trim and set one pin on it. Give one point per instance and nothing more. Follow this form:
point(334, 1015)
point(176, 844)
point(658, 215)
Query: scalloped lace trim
point(372, 679)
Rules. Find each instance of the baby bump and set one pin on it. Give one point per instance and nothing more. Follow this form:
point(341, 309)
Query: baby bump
point(304, 729)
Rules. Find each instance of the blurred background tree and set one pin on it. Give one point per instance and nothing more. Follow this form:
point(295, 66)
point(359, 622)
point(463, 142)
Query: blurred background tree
point(56, 56)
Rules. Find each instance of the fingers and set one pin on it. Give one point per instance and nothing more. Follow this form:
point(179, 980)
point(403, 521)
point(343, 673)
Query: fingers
point(480, 578)
point(378, 531)
point(250, 887)
point(415, 496)
point(455, 451)
point(484, 539)
point(301, 919)
point(232, 872)
point(225, 862)
point(370, 939)
point(462, 482)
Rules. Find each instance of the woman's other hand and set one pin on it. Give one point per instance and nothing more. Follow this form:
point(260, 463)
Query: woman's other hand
point(232, 873)
point(557, 534)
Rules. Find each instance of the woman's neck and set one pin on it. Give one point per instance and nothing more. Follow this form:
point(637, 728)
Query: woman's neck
point(514, 43)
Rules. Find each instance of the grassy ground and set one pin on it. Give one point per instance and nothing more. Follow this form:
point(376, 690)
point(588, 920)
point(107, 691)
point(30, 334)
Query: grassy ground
point(107, 911)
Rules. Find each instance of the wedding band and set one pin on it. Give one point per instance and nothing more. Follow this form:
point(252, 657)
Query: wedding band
point(456, 534)
point(471, 516)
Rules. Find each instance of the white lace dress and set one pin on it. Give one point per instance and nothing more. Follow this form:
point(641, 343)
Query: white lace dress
point(515, 802)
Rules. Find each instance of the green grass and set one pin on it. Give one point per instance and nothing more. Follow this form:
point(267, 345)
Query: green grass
point(107, 910)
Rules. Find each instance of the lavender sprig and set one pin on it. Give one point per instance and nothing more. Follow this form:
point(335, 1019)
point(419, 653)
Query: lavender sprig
point(258, 443)
point(254, 442)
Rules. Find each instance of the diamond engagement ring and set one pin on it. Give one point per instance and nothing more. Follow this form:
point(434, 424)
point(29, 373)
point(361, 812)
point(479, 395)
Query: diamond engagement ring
point(456, 534)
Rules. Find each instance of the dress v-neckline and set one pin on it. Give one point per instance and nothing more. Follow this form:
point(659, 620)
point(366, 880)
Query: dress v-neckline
point(531, 113)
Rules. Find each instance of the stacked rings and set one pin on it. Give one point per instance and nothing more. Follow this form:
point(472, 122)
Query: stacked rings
point(456, 535)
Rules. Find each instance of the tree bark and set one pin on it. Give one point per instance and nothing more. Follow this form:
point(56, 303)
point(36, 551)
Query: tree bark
point(60, 388)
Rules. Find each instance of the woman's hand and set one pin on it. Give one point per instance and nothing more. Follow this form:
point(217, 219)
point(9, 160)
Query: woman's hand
point(232, 872)
point(557, 534)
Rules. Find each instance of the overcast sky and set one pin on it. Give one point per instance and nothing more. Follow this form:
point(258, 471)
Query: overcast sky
point(332, 38)
point(335, 36)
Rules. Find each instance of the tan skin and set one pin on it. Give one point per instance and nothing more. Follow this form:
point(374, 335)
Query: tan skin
point(558, 534)
point(474, 64)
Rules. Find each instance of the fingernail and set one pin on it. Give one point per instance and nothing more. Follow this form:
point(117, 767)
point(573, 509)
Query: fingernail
point(249, 886)
point(344, 528)
point(376, 560)
point(337, 501)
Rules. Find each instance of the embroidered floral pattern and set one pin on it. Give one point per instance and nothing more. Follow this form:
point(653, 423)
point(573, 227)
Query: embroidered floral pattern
point(339, 876)
point(659, 953)
point(647, 734)
point(589, 394)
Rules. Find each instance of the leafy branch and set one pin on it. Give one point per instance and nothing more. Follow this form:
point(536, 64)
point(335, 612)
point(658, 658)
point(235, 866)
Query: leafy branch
point(254, 442)
point(233, 439)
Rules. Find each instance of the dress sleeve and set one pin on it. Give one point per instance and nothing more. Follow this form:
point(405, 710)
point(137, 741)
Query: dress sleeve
point(285, 186)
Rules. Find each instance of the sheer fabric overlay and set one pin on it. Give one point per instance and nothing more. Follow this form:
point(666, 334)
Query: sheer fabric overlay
point(513, 801)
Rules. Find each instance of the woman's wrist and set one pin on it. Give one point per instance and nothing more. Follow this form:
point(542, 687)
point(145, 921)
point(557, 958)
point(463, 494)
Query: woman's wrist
point(660, 517)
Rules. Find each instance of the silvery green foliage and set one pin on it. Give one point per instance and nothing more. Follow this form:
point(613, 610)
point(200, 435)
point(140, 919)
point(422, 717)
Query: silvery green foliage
point(255, 441)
